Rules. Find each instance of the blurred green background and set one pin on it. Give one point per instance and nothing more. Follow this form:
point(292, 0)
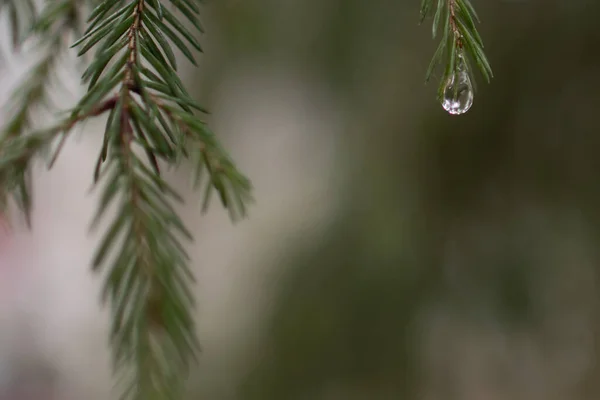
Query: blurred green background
point(394, 251)
point(461, 262)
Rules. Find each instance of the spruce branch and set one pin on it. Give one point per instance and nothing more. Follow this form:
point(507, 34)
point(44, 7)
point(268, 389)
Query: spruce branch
point(151, 122)
point(460, 44)
point(153, 333)
point(48, 29)
point(58, 19)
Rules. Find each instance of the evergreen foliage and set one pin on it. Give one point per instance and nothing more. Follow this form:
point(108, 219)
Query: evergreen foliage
point(151, 121)
point(455, 19)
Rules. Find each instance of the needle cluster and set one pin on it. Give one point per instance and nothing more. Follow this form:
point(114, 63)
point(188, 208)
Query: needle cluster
point(460, 45)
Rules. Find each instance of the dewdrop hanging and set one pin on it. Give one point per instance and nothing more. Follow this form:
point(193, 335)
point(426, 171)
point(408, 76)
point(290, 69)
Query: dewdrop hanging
point(458, 91)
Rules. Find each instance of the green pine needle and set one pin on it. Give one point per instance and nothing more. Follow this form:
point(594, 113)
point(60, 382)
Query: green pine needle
point(456, 19)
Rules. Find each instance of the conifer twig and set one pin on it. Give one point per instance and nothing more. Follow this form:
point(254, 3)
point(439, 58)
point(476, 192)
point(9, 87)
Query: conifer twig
point(460, 43)
point(132, 78)
point(47, 29)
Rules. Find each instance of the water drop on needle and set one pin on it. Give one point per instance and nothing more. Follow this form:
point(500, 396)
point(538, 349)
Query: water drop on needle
point(458, 92)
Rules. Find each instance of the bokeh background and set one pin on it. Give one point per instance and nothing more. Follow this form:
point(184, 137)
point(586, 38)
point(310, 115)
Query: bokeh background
point(393, 252)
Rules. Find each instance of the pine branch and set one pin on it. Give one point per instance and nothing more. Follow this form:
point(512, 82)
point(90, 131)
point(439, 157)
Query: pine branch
point(460, 45)
point(153, 332)
point(58, 18)
point(151, 122)
point(49, 29)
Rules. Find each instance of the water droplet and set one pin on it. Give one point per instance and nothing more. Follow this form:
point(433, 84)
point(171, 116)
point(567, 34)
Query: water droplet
point(458, 92)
